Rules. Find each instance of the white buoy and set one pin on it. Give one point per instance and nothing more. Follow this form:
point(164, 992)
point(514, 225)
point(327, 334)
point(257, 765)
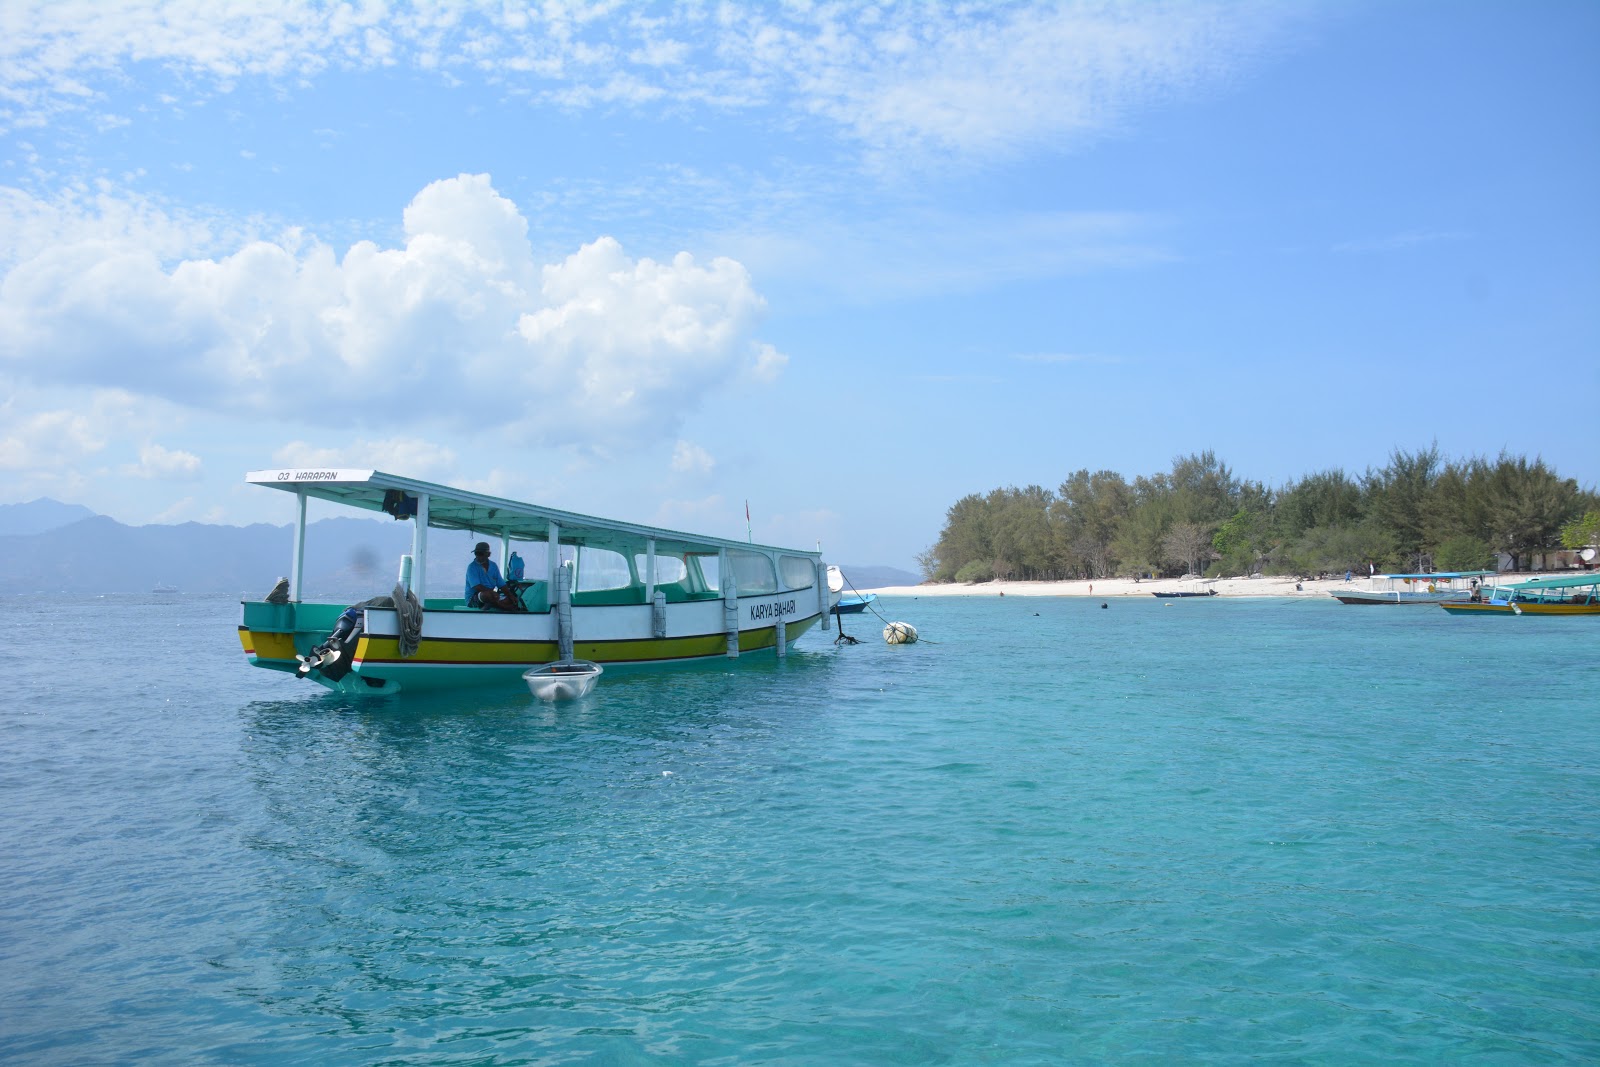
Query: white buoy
point(900, 633)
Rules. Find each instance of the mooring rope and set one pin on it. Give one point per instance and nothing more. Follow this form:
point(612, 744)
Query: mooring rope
point(872, 607)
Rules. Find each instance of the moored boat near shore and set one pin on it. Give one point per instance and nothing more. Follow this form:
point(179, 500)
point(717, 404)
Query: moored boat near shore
point(850, 603)
point(1437, 587)
point(611, 592)
point(1576, 594)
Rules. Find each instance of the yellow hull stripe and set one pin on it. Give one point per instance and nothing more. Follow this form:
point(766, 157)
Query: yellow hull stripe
point(383, 651)
point(261, 645)
point(268, 649)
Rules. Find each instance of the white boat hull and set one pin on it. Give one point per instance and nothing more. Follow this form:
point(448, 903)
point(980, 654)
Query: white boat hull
point(1363, 596)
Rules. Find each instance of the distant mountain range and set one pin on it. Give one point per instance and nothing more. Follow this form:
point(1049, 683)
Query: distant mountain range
point(49, 547)
point(877, 577)
point(40, 515)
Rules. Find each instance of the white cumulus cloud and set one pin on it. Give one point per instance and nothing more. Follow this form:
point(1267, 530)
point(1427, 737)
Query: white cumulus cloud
point(49, 440)
point(688, 457)
point(157, 462)
point(413, 456)
point(459, 327)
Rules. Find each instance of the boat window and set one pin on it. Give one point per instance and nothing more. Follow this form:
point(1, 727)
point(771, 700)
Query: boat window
point(710, 570)
point(669, 569)
point(798, 572)
point(601, 568)
point(752, 572)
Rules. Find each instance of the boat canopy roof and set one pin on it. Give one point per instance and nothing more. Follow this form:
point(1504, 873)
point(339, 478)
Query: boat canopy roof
point(1571, 581)
point(459, 509)
point(1442, 574)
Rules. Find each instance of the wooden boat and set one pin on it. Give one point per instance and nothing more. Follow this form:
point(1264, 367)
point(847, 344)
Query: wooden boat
point(1186, 593)
point(1436, 588)
point(611, 592)
point(1576, 594)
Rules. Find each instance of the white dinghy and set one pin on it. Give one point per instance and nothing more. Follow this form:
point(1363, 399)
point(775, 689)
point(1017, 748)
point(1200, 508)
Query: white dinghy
point(563, 681)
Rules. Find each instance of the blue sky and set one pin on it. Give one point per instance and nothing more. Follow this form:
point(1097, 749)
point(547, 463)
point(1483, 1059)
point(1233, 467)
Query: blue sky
point(847, 262)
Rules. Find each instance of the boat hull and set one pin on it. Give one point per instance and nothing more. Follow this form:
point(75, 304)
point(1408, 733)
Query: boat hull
point(1521, 609)
point(1392, 599)
point(461, 649)
point(854, 605)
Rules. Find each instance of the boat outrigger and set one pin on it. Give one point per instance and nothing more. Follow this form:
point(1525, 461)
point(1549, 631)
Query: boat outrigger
point(611, 592)
point(1575, 594)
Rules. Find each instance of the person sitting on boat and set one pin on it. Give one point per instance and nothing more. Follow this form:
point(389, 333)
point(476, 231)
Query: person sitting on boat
point(485, 587)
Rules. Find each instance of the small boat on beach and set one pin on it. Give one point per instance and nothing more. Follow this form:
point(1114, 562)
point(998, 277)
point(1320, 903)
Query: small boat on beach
point(1438, 587)
point(599, 590)
point(1576, 594)
point(1186, 593)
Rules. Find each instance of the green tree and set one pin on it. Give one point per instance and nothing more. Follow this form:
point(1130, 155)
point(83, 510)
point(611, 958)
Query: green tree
point(1240, 542)
point(1527, 505)
point(965, 536)
point(1087, 512)
point(1138, 543)
point(1454, 506)
point(1020, 535)
point(1204, 489)
point(978, 570)
point(1332, 549)
point(1582, 532)
point(1399, 494)
point(1464, 552)
point(1328, 498)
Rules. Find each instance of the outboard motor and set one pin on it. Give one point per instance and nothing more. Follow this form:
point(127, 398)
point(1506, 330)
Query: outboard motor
point(333, 658)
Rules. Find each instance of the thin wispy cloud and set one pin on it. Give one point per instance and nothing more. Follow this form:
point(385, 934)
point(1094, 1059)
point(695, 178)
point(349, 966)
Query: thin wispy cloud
point(915, 253)
point(973, 81)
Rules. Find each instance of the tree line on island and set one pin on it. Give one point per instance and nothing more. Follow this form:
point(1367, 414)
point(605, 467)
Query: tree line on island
point(1421, 511)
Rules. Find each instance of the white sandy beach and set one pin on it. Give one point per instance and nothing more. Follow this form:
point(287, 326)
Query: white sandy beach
point(1114, 587)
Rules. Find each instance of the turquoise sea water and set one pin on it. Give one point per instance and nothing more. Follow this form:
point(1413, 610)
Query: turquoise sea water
point(1204, 831)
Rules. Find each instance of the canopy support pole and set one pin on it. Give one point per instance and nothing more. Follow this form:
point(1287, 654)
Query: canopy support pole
point(419, 550)
point(298, 566)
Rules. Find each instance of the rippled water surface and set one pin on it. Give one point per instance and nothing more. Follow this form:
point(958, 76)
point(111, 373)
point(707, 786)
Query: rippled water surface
point(1216, 830)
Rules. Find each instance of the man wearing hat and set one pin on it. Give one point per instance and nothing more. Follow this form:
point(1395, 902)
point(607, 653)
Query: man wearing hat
point(485, 587)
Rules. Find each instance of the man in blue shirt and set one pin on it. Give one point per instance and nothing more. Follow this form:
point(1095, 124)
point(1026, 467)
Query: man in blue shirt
point(485, 587)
